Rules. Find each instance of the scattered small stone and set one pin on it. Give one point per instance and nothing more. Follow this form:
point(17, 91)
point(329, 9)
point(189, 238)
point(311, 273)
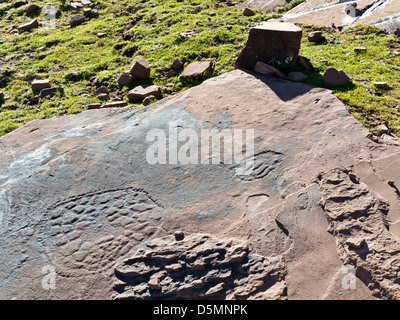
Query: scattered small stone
point(31, 7)
point(140, 68)
point(396, 53)
point(77, 20)
point(51, 11)
point(115, 104)
point(297, 76)
point(101, 90)
point(28, 26)
point(148, 100)
point(179, 235)
point(334, 77)
point(198, 68)
point(187, 34)
point(87, 11)
point(125, 78)
point(177, 64)
point(383, 128)
point(40, 84)
point(93, 106)
point(356, 243)
point(170, 73)
point(382, 85)
point(305, 63)
point(75, 5)
point(141, 92)
point(266, 69)
point(103, 96)
point(360, 49)
point(248, 12)
point(315, 36)
point(101, 34)
point(48, 92)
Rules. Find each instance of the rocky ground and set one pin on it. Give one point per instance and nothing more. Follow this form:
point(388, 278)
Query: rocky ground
point(84, 213)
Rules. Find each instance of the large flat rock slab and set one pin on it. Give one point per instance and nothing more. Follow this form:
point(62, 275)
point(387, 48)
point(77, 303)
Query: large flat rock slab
point(84, 214)
point(381, 13)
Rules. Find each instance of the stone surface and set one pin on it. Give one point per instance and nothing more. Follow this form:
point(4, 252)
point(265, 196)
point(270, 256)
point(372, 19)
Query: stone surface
point(276, 42)
point(141, 92)
point(198, 266)
point(198, 68)
point(380, 13)
point(78, 194)
point(263, 4)
point(334, 77)
point(140, 68)
point(77, 20)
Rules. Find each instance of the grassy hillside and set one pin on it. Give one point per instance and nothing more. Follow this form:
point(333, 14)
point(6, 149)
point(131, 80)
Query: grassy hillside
point(78, 61)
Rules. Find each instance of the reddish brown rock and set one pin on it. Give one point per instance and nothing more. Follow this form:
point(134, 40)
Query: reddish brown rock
point(141, 92)
point(197, 68)
point(266, 69)
point(125, 78)
point(276, 42)
point(140, 68)
point(79, 196)
point(333, 77)
point(40, 84)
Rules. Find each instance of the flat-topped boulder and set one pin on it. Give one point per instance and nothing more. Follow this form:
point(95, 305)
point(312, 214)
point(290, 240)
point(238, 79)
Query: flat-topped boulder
point(271, 42)
point(92, 202)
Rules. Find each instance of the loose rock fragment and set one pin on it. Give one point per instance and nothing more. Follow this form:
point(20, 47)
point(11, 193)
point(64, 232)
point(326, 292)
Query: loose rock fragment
point(334, 77)
point(140, 68)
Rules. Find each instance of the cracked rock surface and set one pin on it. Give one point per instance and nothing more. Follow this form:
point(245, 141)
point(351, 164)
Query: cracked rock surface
point(78, 196)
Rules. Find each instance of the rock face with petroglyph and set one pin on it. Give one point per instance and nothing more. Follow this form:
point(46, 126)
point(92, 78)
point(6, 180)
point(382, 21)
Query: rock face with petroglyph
point(384, 14)
point(79, 197)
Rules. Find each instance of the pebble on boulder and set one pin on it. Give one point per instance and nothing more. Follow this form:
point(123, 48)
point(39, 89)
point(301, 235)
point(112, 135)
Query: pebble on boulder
point(140, 68)
point(333, 77)
point(271, 41)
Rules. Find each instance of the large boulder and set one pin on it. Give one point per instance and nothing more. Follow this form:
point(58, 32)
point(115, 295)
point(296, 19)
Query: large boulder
point(269, 42)
point(379, 13)
point(91, 204)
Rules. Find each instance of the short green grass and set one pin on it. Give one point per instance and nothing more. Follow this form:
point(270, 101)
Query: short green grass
point(153, 33)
